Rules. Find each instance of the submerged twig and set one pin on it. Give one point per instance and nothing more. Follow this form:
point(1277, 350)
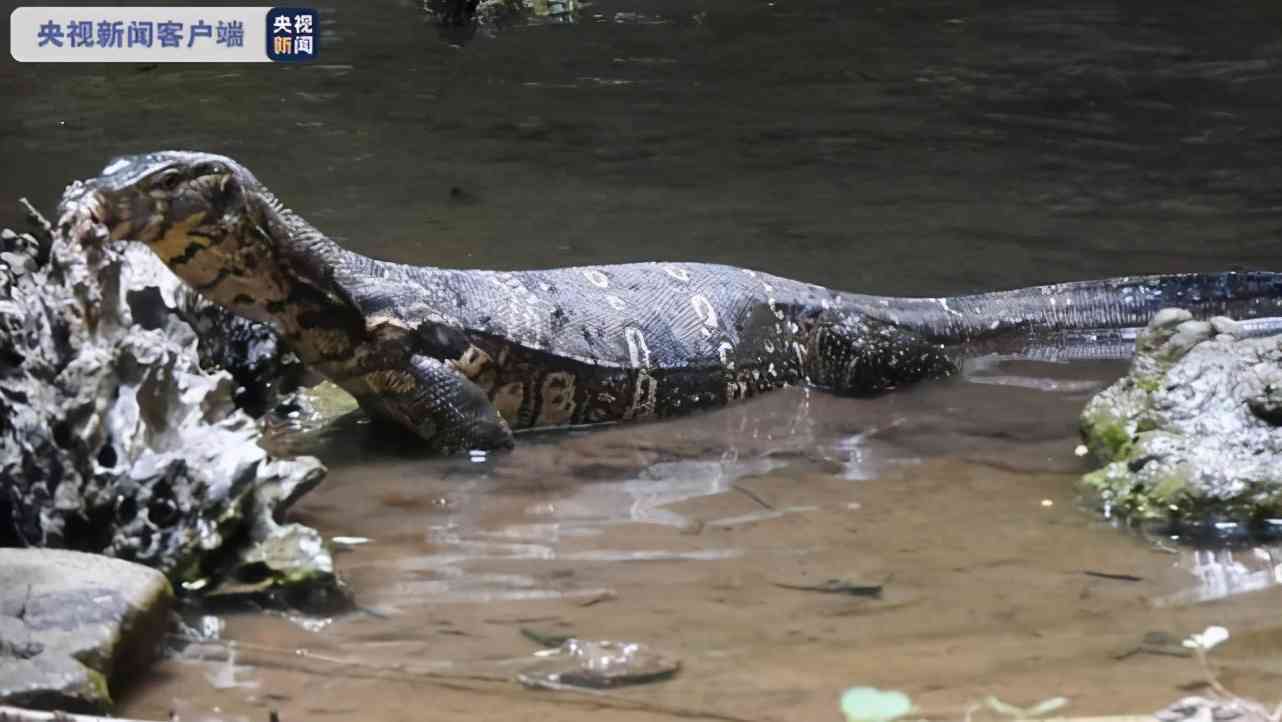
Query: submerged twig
point(1212, 679)
point(752, 495)
point(837, 586)
point(542, 639)
point(37, 219)
point(1113, 576)
point(43, 230)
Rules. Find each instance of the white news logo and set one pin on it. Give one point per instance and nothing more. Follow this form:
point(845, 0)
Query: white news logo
point(140, 34)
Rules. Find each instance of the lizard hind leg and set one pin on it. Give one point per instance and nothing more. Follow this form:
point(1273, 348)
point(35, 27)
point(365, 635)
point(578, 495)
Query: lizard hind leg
point(865, 357)
point(439, 404)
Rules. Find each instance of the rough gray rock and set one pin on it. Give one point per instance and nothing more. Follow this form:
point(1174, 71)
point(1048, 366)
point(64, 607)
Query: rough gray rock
point(113, 439)
point(1194, 430)
point(73, 625)
point(264, 372)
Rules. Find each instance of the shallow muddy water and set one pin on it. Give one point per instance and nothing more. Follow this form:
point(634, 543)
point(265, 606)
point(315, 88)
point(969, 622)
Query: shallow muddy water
point(915, 148)
point(692, 536)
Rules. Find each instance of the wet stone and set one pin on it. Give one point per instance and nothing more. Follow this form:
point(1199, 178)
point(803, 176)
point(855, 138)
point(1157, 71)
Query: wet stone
point(1193, 433)
point(73, 625)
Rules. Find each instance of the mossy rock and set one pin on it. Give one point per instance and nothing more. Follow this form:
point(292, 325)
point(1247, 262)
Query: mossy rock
point(1191, 431)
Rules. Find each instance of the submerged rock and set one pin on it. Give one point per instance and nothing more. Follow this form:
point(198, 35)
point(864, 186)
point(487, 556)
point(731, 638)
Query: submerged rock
point(598, 664)
point(74, 625)
point(113, 437)
point(1194, 430)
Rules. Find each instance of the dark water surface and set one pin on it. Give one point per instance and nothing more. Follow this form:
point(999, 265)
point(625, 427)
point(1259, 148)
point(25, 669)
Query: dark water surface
point(909, 148)
point(918, 147)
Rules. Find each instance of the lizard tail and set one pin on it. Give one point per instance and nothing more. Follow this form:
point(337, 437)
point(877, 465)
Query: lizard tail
point(1095, 319)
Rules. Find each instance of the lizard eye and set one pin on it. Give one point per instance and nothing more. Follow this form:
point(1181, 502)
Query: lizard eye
point(169, 179)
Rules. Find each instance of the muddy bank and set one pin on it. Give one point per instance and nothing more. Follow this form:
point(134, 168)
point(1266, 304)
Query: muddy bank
point(116, 439)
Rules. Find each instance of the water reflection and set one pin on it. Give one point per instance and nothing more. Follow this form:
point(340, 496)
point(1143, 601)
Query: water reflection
point(549, 530)
point(646, 498)
point(219, 665)
point(496, 527)
point(1222, 573)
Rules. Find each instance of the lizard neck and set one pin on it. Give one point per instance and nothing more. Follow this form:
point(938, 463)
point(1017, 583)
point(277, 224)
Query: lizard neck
point(311, 305)
point(307, 254)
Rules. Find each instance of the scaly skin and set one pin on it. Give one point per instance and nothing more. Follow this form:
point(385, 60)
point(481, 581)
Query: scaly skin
point(462, 357)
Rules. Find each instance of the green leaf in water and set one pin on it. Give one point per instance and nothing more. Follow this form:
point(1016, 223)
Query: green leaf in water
point(869, 704)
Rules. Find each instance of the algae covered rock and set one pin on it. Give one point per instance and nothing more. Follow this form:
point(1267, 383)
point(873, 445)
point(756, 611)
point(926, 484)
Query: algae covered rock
point(74, 625)
point(1194, 428)
point(114, 438)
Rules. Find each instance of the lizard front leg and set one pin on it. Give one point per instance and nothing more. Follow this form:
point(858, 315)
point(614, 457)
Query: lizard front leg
point(438, 404)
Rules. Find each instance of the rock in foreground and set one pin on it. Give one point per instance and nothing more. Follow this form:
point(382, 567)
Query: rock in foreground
point(113, 438)
point(1194, 430)
point(72, 625)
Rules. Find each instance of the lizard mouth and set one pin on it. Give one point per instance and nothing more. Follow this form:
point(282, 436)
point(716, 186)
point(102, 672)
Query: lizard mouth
point(84, 213)
point(95, 213)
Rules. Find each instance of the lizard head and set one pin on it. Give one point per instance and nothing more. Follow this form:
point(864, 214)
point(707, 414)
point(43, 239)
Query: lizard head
point(204, 215)
point(149, 197)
